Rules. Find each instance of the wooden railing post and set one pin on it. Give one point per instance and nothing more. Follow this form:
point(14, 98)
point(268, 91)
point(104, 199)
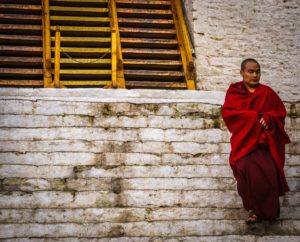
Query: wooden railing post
point(118, 79)
point(184, 43)
point(57, 58)
point(46, 44)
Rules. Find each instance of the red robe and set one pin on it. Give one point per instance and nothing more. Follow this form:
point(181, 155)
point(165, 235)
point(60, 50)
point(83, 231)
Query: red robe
point(242, 111)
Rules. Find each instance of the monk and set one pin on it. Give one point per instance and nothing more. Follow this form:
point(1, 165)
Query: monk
point(254, 115)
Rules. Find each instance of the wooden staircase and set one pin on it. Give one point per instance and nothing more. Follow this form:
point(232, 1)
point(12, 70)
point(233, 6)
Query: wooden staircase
point(85, 42)
point(149, 42)
point(95, 43)
point(21, 51)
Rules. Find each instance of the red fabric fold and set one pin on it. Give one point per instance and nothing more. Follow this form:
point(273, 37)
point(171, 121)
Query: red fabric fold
point(242, 111)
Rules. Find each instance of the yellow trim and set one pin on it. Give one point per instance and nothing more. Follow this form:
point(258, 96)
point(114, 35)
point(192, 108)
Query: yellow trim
point(118, 80)
point(57, 58)
point(46, 45)
point(184, 44)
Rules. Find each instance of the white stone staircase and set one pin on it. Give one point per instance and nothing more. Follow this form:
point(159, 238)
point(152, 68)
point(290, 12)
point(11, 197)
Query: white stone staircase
point(119, 165)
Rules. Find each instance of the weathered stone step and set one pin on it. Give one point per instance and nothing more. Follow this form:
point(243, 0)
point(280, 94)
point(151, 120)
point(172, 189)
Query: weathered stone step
point(91, 215)
point(111, 184)
point(193, 238)
point(116, 134)
point(131, 198)
point(148, 229)
point(163, 122)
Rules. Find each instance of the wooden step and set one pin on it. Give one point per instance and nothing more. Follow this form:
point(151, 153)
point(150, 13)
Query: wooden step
point(150, 43)
point(147, 33)
point(79, 3)
point(20, 40)
point(150, 53)
point(144, 13)
point(8, 61)
point(82, 31)
point(21, 50)
point(30, 2)
point(78, 11)
point(146, 23)
point(85, 83)
point(84, 72)
point(84, 41)
point(153, 75)
point(20, 18)
point(152, 64)
point(79, 21)
point(78, 54)
point(21, 29)
point(20, 8)
point(20, 83)
point(20, 71)
point(155, 84)
point(143, 4)
point(84, 61)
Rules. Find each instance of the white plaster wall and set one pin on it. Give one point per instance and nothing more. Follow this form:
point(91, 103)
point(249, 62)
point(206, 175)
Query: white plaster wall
point(226, 32)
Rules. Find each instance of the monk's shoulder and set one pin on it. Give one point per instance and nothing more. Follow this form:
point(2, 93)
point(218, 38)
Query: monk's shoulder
point(268, 89)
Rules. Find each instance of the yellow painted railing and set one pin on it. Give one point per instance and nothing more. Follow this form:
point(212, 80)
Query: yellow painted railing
point(184, 44)
point(57, 58)
point(117, 66)
point(46, 44)
point(118, 80)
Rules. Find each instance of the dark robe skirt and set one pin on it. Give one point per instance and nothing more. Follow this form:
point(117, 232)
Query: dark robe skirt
point(259, 183)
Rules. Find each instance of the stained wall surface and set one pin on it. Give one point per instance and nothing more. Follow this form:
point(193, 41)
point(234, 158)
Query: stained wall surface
point(137, 165)
point(226, 32)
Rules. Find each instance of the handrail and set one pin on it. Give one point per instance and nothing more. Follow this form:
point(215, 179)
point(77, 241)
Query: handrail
point(184, 43)
point(46, 44)
point(57, 58)
point(118, 80)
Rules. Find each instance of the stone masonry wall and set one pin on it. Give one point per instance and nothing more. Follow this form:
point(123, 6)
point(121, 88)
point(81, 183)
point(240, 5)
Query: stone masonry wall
point(118, 165)
point(226, 32)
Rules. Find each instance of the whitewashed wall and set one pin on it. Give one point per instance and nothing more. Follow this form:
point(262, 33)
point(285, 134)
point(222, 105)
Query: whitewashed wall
point(226, 32)
point(117, 165)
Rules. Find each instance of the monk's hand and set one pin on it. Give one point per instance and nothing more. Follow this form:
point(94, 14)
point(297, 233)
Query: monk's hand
point(263, 123)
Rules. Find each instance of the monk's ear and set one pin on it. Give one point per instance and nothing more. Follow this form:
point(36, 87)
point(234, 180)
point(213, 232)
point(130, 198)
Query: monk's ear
point(241, 72)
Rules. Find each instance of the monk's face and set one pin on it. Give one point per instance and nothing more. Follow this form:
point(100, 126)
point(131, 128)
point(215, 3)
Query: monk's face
point(251, 74)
